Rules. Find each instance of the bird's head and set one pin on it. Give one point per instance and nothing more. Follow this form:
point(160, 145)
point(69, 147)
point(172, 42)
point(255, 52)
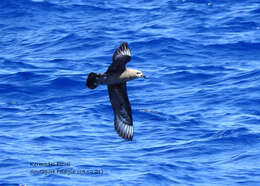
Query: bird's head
point(139, 74)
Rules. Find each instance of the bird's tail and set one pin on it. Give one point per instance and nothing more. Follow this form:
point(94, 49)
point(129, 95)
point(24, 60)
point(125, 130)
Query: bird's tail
point(93, 80)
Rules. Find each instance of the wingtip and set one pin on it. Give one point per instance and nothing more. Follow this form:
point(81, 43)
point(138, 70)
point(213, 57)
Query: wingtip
point(126, 132)
point(124, 43)
point(124, 49)
point(124, 46)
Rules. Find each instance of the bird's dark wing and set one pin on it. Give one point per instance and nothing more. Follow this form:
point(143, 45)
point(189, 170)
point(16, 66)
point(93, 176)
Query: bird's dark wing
point(123, 121)
point(121, 56)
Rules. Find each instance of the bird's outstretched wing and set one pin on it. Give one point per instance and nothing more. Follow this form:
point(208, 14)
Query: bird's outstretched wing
point(121, 56)
point(123, 121)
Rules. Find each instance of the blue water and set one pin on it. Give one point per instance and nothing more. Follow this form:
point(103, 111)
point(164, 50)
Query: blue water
point(196, 116)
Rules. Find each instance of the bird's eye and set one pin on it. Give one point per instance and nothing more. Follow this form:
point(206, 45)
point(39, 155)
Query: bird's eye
point(138, 72)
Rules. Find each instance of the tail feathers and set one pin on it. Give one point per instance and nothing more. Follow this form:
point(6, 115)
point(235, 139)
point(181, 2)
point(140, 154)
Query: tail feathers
point(93, 80)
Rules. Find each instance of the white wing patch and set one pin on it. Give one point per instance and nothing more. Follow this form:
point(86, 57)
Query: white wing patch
point(124, 130)
point(120, 57)
point(125, 51)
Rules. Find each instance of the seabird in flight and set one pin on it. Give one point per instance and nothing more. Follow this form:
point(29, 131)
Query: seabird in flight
point(115, 78)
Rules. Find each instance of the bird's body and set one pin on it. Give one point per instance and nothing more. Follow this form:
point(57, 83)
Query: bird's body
point(115, 78)
point(119, 77)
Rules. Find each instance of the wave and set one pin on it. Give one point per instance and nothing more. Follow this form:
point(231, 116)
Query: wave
point(196, 113)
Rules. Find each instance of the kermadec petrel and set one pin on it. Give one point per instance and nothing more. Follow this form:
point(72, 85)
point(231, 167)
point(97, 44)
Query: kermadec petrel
point(115, 78)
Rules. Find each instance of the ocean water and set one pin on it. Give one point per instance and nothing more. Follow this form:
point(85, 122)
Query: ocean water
point(196, 115)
